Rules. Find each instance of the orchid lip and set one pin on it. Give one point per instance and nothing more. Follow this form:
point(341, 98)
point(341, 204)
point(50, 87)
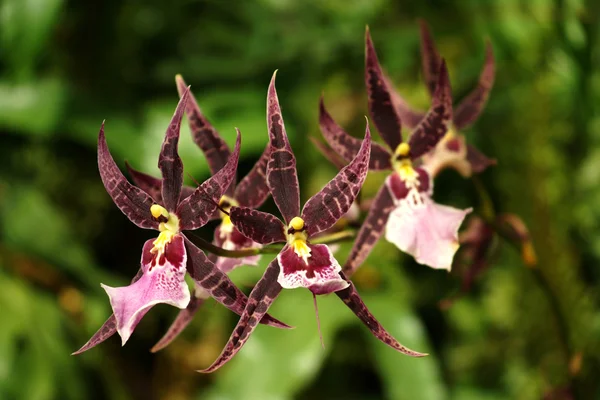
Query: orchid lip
point(297, 238)
point(169, 227)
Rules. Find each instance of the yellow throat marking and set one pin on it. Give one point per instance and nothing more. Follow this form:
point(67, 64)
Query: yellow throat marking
point(297, 239)
point(167, 229)
point(403, 164)
point(226, 203)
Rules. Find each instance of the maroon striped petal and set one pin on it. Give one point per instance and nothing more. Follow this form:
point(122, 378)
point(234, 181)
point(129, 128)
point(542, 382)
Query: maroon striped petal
point(148, 183)
point(218, 285)
point(262, 227)
point(352, 299)
point(347, 146)
point(327, 206)
point(282, 177)
point(169, 162)
point(132, 201)
point(198, 208)
point(469, 109)
point(260, 299)
point(252, 191)
point(370, 231)
point(204, 134)
point(437, 120)
point(479, 161)
point(409, 116)
point(381, 107)
point(329, 153)
point(430, 58)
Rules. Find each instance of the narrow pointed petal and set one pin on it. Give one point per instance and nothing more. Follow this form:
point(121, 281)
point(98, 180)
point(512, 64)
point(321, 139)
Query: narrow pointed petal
point(262, 296)
point(430, 58)
point(182, 320)
point(471, 106)
point(148, 183)
point(162, 281)
point(233, 240)
point(132, 201)
point(282, 177)
point(198, 208)
point(409, 116)
point(348, 146)
point(352, 299)
point(329, 154)
point(218, 285)
point(252, 191)
point(370, 231)
point(479, 161)
point(320, 273)
point(330, 204)
point(437, 121)
point(169, 162)
point(428, 231)
point(381, 107)
point(204, 134)
point(263, 228)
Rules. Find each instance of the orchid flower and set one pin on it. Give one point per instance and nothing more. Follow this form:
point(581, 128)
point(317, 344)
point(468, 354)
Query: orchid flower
point(252, 191)
point(166, 259)
point(300, 263)
point(452, 151)
point(412, 220)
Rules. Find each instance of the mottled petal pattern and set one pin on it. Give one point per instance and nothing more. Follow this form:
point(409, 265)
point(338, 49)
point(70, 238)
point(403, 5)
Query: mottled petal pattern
point(162, 282)
point(132, 201)
point(148, 183)
point(262, 296)
point(330, 204)
point(471, 106)
point(381, 107)
point(252, 191)
point(198, 208)
point(409, 116)
point(169, 162)
point(370, 231)
point(282, 177)
point(434, 126)
point(347, 146)
point(430, 58)
point(321, 275)
point(329, 154)
point(352, 299)
point(263, 228)
point(108, 328)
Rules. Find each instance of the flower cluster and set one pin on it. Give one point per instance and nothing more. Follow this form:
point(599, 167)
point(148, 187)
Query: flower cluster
point(403, 207)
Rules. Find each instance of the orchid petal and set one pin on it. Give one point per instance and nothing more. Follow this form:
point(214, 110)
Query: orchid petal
point(262, 296)
point(252, 191)
point(370, 231)
point(428, 231)
point(218, 285)
point(320, 273)
point(282, 177)
point(430, 58)
point(348, 146)
point(381, 107)
point(450, 152)
point(330, 204)
point(169, 162)
point(152, 185)
point(198, 208)
point(352, 299)
point(478, 161)
point(132, 201)
point(234, 240)
point(329, 154)
point(262, 227)
point(163, 281)
point(409, 116)
point(469, 109)
point(204, 134)
point(434, 126)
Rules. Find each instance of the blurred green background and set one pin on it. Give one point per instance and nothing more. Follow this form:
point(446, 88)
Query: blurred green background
point(65, 66)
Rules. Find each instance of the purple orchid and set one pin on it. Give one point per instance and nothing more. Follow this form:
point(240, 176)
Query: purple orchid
point(252, 191)
point(452, 151)
point(300, 263)
point(166, 259)
point(413, 221)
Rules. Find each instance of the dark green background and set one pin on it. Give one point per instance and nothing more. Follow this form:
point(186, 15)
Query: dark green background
point(65, 66)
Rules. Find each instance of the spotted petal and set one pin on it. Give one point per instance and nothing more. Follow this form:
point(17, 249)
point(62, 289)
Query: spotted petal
point(198, 208)
point(152, 185)
point(262, 296)
point(282, 177)
point(320, 273)
point(348, 146)
point(426, 230)
point(262, 227)
point(335, 199)
point(430, 58)
point(381, 107)
point(252, 191)
point(163, 281)
point(132, 201)
point(469, 109)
